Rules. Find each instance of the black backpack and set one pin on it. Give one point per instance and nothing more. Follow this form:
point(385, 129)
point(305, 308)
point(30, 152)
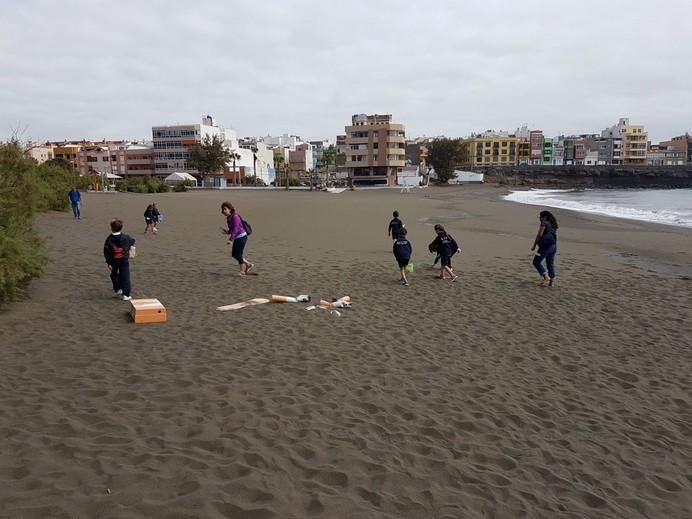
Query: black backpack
point(248, 227)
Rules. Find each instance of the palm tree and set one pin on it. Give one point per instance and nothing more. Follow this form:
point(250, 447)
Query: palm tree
point(278, 162)
point(328, 157)
point(254, 163)
point(234, 156)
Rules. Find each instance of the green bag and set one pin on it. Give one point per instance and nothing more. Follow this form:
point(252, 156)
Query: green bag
point(409, 267)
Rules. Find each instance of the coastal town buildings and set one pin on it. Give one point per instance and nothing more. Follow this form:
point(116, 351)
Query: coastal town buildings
point(634, 142)
point(536, 147)
point(493, 149)
point(376, 149)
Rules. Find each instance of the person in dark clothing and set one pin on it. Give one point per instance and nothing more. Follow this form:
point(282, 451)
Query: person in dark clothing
point(149, 219)
point(75, 200)
point(117, 250)
point(546, 241)
point(395, 226)
point(446, 247)
point(402, 252)
point(156, 216)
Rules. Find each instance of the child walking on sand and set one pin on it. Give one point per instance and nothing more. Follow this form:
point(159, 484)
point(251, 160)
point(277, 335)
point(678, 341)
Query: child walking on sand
point(117, 250)
point(395, 226)
point(149, 219)
point(446, 247)
point(402, 252)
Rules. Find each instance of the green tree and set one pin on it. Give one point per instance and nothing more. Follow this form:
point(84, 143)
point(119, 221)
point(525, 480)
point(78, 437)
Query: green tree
point(444, 154)
point(328, 157)
point(60, 163)
point(209, 156)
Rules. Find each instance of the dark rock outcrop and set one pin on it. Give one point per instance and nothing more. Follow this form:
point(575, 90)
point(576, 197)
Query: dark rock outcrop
point(589, 176)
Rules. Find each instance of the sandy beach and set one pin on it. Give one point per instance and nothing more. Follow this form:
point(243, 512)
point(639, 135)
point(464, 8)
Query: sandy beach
point(492, 397)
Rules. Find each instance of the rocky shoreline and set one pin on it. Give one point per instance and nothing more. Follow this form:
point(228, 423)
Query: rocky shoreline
point(590, 176)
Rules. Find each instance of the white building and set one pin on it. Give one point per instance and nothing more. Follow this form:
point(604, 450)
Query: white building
point(39, 152)
point(285, 140)
point(172, 144)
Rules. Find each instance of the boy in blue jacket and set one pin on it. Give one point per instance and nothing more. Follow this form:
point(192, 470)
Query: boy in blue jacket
point(402, 252)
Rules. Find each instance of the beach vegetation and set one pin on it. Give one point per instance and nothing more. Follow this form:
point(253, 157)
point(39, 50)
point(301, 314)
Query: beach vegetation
point(25, 189)
point(146, 184)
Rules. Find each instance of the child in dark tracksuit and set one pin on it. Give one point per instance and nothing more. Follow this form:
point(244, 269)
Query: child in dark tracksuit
point(149, 219)
point(395, 226)
point(402, 252)
point(446, 247)
point(116, 250)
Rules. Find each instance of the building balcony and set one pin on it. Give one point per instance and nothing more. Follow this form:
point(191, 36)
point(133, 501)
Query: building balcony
point(357, 140)
point(395, 138)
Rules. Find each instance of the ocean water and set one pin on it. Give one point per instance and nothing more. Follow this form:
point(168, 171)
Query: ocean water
point(665, 206)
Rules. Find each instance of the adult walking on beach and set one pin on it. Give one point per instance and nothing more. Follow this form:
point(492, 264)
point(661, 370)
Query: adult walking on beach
point(238, 232)
point(75, 200)
point(546, 241)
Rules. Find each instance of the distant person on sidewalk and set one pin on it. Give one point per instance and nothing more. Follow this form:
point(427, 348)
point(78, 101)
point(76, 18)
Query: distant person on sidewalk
point(395, 226)
point(149, 219)
point(75, 200)
point(546, 241)
point(238, 232)
point(117, 250)
point(446, 247)
point(402, 252)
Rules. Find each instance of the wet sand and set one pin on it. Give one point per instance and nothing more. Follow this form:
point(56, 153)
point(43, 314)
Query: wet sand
point(490, 397)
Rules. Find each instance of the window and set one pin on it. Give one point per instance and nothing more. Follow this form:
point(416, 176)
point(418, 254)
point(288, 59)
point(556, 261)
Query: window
point(104, 159)
point(374, 145)
point(92, 159)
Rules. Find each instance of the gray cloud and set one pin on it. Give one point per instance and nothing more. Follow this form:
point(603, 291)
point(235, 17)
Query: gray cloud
point(97, 69)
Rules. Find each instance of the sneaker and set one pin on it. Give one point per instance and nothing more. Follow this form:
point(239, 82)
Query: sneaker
point(453, 280)
point(127, 298)
point(119, 293)
point(551, 282)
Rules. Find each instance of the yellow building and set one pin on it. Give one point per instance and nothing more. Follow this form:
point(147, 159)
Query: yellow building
point(634, 142)
point(493, 150)
point(67, 152)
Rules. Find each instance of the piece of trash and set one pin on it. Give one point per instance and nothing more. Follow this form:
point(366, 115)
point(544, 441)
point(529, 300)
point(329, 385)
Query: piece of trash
point(108, 490)
point(311, 307)
point(335, 312)
point(238, 306)
point(290, 299)
point(336, 304)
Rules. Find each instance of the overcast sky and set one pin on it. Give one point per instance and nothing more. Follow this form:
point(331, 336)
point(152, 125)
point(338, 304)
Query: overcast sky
point(112, 69)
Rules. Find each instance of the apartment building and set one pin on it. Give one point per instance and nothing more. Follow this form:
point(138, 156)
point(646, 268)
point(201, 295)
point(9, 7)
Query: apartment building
point(536, 144)
point(118, 159)
point(172, 144)
point(67, 151)
point(633, 139)
point(39, 152)
point(547, 153)
point(662, 155)
point(376, 149)
point(493, 149)
point(682, 144)
point(523, 151)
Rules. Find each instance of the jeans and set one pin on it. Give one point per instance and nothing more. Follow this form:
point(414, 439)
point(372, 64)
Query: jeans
point(238, 249)
point(120, 276)
point(75, 209)
point(548, 255)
